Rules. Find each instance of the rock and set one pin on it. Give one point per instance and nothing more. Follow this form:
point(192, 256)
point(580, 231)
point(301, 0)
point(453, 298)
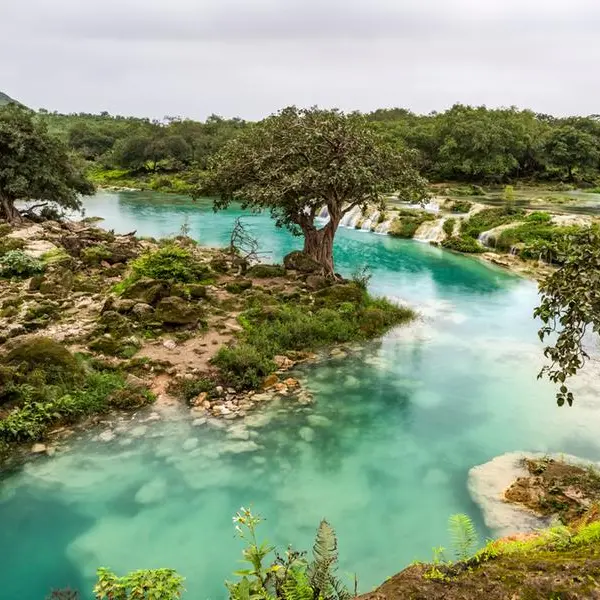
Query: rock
point(176, 311)
point(141, 311)
point(338, 353)
point(283, 362)
point(487, 484)
point(37, 248)
point(199, 422)
point(270, 381)
point(197, 291)
point(258, 420)
point(238, 286)
point(190, 444)
point(238, 432)
point(290, 382)
point(107, 436)
point(219, 390)
point(123, 305)
point(170, 344)
point(263, 271)
point(230, 390)
point(134, 381)
point(241, 447)
point(307, 434)
point(27, 233)
point(233, 326)
point(39, 448)
point(317, 282)
point(299, 261)
point(200, 399)
point(219, 409)
point(146, 290)
point(152, 492)
point(139, 431)
point(318, 421)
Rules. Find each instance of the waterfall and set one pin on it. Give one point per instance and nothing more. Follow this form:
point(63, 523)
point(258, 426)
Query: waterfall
point(384, 227)
point(350, 219)
point(369, 222)
point(430, 231)
point(485, 237)
point(324, 214)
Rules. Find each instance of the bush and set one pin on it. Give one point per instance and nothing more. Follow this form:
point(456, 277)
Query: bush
point(171, 263)
point(8, 244)
point(538, 217)
point(264, 271)
point(461, 206)
point(94, 255)
point(51, 360)
point(406, 225)
point(449, 227)
point(463, 244)
point(243, 366)
point(485, 220)
point(189, 389)
point(16, 263)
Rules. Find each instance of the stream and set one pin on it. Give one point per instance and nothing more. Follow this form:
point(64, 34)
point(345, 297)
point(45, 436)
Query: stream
point(383, 453)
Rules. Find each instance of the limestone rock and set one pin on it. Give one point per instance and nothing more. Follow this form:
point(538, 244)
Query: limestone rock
point(317, 282)
point(270, 381)
point(146, 290)
point(176, 311)
point(299, 261)
point(39, 448)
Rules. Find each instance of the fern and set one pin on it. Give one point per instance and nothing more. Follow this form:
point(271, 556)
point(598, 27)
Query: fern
point(297, 587)
point(321, 571)
point(463, 535)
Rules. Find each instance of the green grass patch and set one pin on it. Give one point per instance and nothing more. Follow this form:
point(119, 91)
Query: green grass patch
point(487, 219)
point(340, 314)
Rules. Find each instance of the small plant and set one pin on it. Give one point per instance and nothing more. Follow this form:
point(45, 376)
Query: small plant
point(170, 263)
point(461, 206)
point(94, 255)
point(64, 594)
point(463, 534)
point(153, 584)
point(449, 227)
point(464, 244)
point(509, 200)
point(362, 275)
point(16, 263)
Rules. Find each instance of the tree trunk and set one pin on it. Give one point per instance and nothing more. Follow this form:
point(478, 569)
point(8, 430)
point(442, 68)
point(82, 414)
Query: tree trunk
point(8, 210)
point(318, 244)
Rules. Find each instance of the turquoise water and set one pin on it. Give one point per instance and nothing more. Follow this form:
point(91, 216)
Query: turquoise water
point(383, 453)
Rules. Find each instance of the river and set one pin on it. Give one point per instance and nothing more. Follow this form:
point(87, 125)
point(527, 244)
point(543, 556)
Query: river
point(393, 432)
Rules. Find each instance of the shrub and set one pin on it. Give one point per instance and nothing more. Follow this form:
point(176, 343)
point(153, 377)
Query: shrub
point(94, 255)
point(8, 244)
point(485, 220)
point(16, 263)
point(408, 222)
point(171, 263)
point(538, 217)
point(449, 227)
point(461, 206)
point(47, 357)
point(463, 244)
point(188, 389)
point(243, 366)
point(263, 271)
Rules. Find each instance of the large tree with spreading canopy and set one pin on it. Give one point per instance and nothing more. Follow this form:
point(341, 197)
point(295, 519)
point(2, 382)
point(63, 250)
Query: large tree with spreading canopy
point(298, 161)
point(34, 165)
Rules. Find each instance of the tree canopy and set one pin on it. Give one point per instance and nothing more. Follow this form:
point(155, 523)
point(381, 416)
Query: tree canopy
point(35, 165)
point(298, 161)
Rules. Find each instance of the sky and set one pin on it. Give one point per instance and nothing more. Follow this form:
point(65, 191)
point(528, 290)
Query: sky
point(249, 58)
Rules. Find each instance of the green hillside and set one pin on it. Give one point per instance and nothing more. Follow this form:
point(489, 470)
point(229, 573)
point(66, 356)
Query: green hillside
point(5, 99)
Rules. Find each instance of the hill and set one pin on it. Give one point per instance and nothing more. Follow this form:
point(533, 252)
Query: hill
point(5, 99)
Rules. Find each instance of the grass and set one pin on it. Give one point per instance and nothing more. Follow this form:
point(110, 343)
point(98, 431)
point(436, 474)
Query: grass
point(487, 219)
point(407, 223)
point(42, 385)
point(340, 314)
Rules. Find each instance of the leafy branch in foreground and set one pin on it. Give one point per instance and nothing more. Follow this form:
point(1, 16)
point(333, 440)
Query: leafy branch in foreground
point(570, 307)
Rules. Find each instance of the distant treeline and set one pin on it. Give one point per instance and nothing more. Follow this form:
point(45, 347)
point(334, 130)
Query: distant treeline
point(463, 143)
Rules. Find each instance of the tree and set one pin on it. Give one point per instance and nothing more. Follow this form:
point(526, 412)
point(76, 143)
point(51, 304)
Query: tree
point(569, 148)
point(297, 161)
point(570, 307)
point(132, 152)
point(35, 165)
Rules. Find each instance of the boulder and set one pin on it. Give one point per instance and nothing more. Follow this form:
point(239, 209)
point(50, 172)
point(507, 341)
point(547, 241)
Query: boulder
point(299, 261)
point(337, 294)
point(176, 311)
point(238, 286)
point(317, 282)
point(197, 290)
point(263, 271)
point(141, 311)
point(270, 381)
point(148, 291)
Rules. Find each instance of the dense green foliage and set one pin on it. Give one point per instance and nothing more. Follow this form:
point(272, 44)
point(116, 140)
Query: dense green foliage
point(297, 161)
point(570, 306)
point(35, 165)
point(170, 263)
point(485, 220)
point(154, 584)
point(407, 223)
point(341, 313)
point(463, 243)
point(15, 263)
point(495, 145)
point(42, 384)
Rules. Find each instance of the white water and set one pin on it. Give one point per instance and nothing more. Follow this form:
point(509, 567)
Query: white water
point(430, 231)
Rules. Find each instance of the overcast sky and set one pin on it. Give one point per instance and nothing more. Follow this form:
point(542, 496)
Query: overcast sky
point(249, 58)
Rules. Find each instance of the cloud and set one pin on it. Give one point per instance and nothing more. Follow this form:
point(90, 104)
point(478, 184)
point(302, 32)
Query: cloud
point(234, 57)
